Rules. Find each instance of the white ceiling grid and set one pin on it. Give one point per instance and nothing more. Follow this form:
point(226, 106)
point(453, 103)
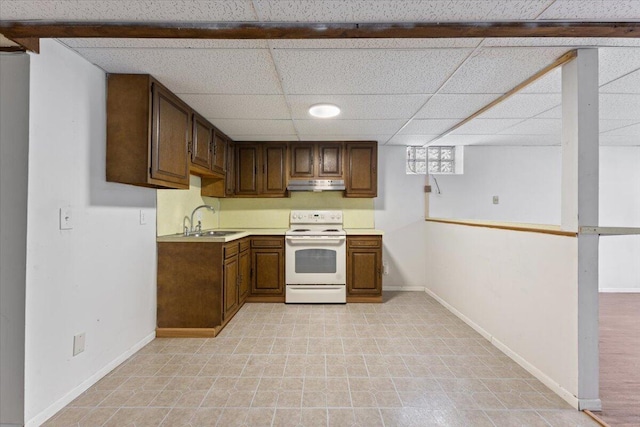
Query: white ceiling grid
point(395, 91)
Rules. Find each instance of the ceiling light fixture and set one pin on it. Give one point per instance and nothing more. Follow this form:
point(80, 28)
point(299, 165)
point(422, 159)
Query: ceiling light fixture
point(324, 111)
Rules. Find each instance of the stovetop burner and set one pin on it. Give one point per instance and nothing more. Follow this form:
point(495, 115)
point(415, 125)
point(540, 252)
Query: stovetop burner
point(301, 230)
point(331, 230)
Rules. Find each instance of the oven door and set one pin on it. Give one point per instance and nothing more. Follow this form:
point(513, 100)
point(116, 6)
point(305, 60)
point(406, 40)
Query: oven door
point(318, 260)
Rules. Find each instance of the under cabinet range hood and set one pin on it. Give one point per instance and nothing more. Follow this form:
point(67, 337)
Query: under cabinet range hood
point(316, 185)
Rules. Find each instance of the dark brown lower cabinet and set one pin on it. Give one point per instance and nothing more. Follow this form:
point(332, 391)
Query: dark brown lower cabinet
point(364, 269)
point(267, 269)
point(201, 285)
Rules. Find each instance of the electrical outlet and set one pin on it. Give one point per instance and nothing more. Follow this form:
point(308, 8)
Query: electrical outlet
point(143, 217)
point(385, 269)
point(66, 218)
point(199, 215)
point(496, 200)
point(78, 343)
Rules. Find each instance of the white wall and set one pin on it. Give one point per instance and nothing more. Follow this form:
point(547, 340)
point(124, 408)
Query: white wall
point(526, 180)
point(14, 150)
point(518, 289)
point(620, 207)
point(399, 212)
point(99, 277)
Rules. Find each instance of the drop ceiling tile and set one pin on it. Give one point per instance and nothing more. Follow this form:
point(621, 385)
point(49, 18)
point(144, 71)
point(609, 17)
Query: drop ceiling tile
point(619, 140)
point(380, 139)
point(549, 83)
point(220, 71)
point(615, 62)
point(428, 126)
point(262, 137)
point(374, 43)
point(559, 41)
point(255, 127)
point(632, 130)
point(359, 107)
point(522, 106)
point(498, 70)
point(602, 10)
point(513, 140)
point(535, 127)
point(411, 139)
point(348, 127)
point(485, 126)
point(238, 106)
point(613, 125)
point(392, 10)
point(140, 10)
point(626, 84)
point(165, 43)
point(366, 71)
point(554, 113)
point(619, 106)
point(454, 106)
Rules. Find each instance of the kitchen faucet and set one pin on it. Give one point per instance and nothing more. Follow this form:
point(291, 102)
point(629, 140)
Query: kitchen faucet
point(198, 227)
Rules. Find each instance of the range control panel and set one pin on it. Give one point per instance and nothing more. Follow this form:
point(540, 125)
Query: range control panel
point(316, 217)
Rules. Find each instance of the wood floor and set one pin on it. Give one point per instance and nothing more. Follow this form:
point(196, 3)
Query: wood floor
point(620, 359)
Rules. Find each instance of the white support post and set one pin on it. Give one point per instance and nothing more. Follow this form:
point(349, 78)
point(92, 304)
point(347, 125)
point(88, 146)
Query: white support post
point(580, 163)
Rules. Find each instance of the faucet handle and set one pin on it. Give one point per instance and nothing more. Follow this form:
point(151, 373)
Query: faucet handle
point(186, 231)
point(199, 226)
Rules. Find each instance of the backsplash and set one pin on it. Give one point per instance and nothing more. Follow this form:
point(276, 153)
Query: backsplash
point(274, 213)
point(174, 205)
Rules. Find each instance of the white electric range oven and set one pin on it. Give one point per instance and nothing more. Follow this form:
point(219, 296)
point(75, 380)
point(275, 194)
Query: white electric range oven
point(316, 257)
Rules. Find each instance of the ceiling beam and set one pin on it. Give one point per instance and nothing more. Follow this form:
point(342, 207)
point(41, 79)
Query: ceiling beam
point(280, 30)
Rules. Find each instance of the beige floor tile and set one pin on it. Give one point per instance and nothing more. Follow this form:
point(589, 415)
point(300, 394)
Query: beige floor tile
point(406, 362)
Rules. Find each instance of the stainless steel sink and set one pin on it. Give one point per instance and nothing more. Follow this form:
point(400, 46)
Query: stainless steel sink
point(212, 233)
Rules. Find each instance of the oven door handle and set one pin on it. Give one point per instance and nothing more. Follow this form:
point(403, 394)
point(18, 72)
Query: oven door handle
point(319, 241)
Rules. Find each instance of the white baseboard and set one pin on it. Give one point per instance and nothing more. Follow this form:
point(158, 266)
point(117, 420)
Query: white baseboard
point(77, 391)
point(546, 380)
point(403, 288)
point(619, 290)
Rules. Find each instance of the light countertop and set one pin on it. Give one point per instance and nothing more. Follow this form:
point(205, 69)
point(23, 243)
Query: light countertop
point(245, 232)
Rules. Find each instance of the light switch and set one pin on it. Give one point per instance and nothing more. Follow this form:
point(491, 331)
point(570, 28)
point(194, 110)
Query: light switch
point(78, 343)
point(143, 217)
point(66, 218)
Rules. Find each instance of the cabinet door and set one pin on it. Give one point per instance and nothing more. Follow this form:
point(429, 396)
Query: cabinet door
point(275, 169)
point(362, 169)
point(219, 147)
point(364, 271)
point(302, 162)
point(170, 131)
point(201, 144)
point(330, 160)
point(244, 261)
point(247, 162)
point(231, 168)
point(268, 272)
point(230, 299)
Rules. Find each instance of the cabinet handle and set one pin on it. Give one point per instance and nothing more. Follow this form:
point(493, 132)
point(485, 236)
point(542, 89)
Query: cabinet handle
point(379, 272)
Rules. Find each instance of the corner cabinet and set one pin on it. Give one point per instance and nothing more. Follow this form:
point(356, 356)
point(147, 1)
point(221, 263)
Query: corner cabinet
point(362, 169)
point(201, 286)
point(364, 269)
point(148, 133)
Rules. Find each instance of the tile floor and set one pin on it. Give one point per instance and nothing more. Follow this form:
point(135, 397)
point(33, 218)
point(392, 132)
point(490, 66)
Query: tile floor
point(406, 362)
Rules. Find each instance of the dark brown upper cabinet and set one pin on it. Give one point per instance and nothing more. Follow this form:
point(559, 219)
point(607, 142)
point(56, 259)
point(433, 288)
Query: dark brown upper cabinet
point(362, 169)
point(148, 133)
point(260, 169)
point(201, 155)
point(316, 160)
point(219, 153)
